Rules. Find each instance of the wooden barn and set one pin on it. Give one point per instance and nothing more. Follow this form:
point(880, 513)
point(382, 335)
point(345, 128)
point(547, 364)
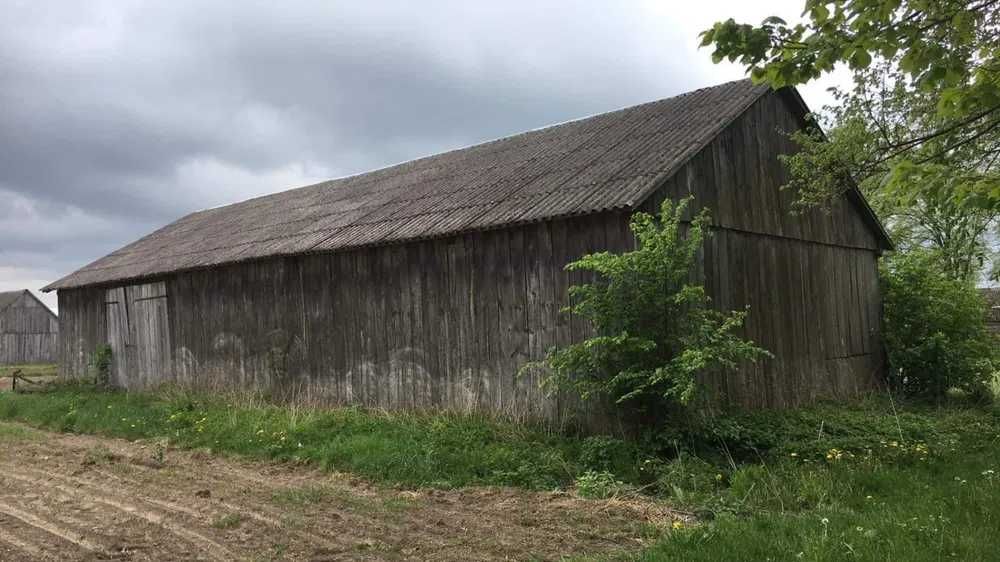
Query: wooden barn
point(29, 331)
point(429, 283)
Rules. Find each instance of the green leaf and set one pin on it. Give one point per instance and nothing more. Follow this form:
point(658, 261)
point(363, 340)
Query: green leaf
point(820, 13)
point(860, 59)
point(707, 37)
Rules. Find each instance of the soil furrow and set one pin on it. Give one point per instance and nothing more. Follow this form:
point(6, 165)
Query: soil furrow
point(50, 527)
point(27, 549)
point(265, 516)
point(216, 550)
point(186, 505)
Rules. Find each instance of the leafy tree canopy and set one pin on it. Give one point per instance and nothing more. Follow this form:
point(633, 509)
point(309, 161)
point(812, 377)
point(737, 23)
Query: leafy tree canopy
point(934, 328)
point(924, 116)
point(917, 199)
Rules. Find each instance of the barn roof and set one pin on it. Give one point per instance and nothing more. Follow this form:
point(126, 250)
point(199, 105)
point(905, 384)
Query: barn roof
point(608, 161)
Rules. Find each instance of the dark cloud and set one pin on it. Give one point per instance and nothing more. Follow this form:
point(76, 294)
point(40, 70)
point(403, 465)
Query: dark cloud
point(118, 117)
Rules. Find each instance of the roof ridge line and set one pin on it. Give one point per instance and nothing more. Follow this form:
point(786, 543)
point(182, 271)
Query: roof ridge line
point(474, 145)
point(508, 182)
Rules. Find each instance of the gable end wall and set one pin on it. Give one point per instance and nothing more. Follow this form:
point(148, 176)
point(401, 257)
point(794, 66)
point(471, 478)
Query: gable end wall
point(810, 280)
point(29, 333)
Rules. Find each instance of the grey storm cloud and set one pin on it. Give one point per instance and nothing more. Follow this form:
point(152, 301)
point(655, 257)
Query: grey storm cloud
point(118, 117)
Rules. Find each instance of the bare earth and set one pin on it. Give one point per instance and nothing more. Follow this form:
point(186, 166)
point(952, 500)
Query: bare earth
point(68, 497)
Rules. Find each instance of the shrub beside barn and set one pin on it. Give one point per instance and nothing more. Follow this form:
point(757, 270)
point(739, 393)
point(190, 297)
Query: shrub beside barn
point(29, 331)
point(430, 283)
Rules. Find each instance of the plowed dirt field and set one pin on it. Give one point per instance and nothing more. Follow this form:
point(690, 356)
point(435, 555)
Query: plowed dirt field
point(69, 497)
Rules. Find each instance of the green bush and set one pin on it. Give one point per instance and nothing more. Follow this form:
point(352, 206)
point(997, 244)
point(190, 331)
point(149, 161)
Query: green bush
point(654, 327)
point(605, 453)
point(599, 485)
point(687, 480)
point(935, 331)
point(100, 365)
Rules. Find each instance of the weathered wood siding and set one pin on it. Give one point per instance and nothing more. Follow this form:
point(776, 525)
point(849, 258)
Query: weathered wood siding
point(29, 333)
point(447, 323)
point(437, 324)
point(810, 279)
point(82, 328)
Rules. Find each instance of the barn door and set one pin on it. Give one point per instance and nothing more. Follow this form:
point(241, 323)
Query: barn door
point(116, 306)
point(138, 335)
point(151, 333)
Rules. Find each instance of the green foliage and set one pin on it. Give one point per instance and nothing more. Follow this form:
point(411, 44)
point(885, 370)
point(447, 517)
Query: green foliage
point(687, 480)
point(873, 480)
point(920, 192)
point(598, 485)
point(946, 45)
point(935, 331)
point(880, 506)
point(851, 512)
point(100, 365)
point(654, 328)
point(606, 453)
point(11, 433)
point(927, 94)
point(301, 496)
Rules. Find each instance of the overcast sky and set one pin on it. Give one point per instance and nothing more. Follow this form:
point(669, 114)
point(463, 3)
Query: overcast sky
point(119, 117)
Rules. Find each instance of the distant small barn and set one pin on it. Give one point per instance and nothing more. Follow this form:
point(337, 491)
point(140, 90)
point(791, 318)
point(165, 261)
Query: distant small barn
point(29, 331)
point(991, 295)
point(430, 283)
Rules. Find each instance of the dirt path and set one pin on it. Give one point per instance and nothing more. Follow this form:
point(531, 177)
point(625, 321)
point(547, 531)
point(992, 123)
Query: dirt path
point(67, 497)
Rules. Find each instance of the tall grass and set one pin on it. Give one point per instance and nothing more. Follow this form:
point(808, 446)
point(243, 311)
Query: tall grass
point(412, 449)
point(934, 510)
point(852, 483)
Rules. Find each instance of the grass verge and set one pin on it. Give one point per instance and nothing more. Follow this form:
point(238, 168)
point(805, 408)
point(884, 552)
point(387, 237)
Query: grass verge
point(849, 483)
point(438, 450)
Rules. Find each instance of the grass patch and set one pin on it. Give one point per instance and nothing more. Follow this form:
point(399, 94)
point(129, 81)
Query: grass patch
point(309, 495)
point(298, 497)
point(13, 433)
point(437, 450)
point(856, 511)
point(830, 483)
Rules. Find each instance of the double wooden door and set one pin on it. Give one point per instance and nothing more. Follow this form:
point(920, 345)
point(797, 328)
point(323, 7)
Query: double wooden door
point(139, 335)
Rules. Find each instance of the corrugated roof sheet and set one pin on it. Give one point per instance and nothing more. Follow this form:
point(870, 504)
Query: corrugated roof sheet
point(609, 161)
